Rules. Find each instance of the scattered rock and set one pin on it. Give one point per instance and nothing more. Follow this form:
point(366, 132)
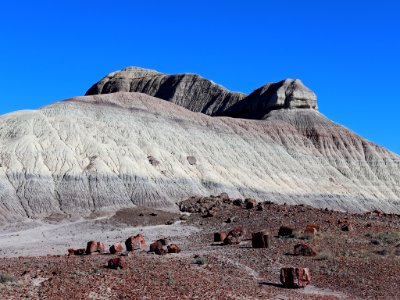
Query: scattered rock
point(260, 239)
point(116, 248)
point(304, 250)
point(170, 222)
point(94, 246)
point(101, 248)
point(219, 236)
point(153, 161)
point(118, 262)
point(158, 247)
point(211, 213)
point(153, 214)
point(235, 236)
point(173, 248)
point(163, 241)
point(311, 230)
point(183, 217)
point(160, 251)
point(311, 227)
point(260, 207)
point(295, 277)
point(238, 202)
point(231, 219)
point(224, 196)
point(191, 160)
point(136, 242)
point(155, 245)
point(345, 225)
point(81, 251)
point(285, 231)
point(76, 251)
point(250, 203)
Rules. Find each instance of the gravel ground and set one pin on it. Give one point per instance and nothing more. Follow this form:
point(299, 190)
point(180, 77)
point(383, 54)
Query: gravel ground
point(358, 264)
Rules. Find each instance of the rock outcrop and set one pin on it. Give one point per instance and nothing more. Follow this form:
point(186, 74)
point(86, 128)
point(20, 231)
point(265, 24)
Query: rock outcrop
point(187, 90)
point(201, 95)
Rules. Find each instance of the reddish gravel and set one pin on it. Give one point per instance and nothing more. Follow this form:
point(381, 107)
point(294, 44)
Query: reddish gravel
point(358, 264)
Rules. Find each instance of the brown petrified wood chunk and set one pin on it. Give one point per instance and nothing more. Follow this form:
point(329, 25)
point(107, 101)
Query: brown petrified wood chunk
point(295, 277)
point(219, 236)
point(136, 242)
point(260, 239)
point(118, 262)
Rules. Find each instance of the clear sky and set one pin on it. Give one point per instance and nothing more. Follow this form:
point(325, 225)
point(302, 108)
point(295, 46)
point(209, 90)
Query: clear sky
point(348, 52)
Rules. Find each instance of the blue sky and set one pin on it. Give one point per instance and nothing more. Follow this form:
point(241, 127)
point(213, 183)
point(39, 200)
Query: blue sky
point(348, 52)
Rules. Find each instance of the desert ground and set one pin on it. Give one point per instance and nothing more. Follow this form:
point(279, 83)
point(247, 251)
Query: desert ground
point(357, 256)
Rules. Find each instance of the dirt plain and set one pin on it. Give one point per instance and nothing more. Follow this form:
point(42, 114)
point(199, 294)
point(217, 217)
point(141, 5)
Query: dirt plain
point(361, 263)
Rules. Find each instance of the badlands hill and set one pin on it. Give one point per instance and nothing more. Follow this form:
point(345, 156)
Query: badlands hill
point(122, 145)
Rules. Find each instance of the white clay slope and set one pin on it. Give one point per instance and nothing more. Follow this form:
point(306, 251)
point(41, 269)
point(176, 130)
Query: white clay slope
point(92, 153)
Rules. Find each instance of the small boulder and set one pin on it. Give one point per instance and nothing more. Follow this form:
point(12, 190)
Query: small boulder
point(91, 247)
point(304, 250)
point(191, 160)
point(260, 207)
point(118, 262)
point(250, 203)
point(156, 246)
point(260, 239)
point(153, 161)
point(224, 196)
point(231, 219)
point(311, 227)
point(173, 248)
point(116, 248)
point(285, 231)
point(235, 236)
point(94, 246)
point(101, 248)
point(183, 217)
point(136, 242)
point(160, 251)
point(81, 251)
point(238, 202)
point(211, 213)
point(163, 241)
point(219, 236)
point(295, 277)
point(345, 225)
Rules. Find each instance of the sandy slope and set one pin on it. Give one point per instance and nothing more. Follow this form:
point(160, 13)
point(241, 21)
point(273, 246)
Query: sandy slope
point(92, 153)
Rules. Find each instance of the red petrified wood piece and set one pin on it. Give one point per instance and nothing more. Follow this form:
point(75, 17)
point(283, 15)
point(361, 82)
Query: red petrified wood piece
point(285, 231)
point(260, 239)
point(304, 250)
point(219, 236)
point(235, 236)
point(173, 248)
point(295, 277)
point(94, 246)
point(135, 243)
point(118, 262)
point(250, 203)
point(116, 248)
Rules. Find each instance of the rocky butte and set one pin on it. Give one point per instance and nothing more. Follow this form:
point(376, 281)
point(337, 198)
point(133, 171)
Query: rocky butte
point(144, 138)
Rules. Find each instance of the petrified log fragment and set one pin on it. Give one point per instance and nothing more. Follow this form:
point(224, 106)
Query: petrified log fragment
point(260, 239)
point(295, 277)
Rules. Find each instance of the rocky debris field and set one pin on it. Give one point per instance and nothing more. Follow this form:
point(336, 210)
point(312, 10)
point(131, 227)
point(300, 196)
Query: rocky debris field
point(237, 253)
